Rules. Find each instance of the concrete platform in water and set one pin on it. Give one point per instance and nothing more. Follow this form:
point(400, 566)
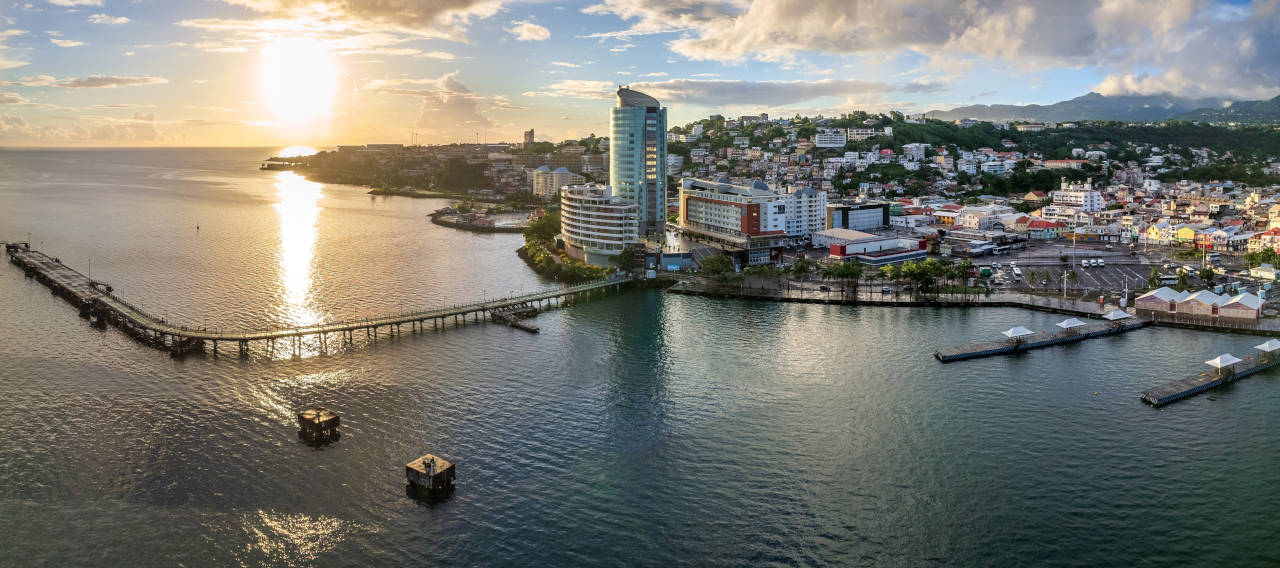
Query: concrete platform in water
point(1196, 384)
point(430, 477)
point(989, 349)
point(318, 424)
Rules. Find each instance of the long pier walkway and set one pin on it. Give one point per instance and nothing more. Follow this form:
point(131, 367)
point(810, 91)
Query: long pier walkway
point(1185, 387)
point(97, 303)
point(1045, 340)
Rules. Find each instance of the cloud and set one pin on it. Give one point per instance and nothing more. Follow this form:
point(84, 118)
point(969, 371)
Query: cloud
point(5, 62)
point(719, 92)
point(1186, 47)
point(529, 31)
point(108, 20)
point(449, 110)
point(12, 99)
point(622, 47)
point(446, 19)
point(76, 2)
point(90, 82)
point(66, 42)
point(655, 74)
point(565, 64)
point(441, 55)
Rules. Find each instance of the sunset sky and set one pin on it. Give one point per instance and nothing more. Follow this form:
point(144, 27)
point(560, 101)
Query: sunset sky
point(269, 72)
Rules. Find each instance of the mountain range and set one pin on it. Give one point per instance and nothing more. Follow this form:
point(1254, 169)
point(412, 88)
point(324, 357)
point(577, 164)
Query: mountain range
point(1128, 108)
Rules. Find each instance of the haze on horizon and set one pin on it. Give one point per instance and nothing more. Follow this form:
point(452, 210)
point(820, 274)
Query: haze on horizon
point(283, 72)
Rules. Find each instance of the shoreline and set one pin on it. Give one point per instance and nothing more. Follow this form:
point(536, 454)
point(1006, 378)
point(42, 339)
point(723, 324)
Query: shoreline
point(1048, 305)
point(409, 194)
point(436, 218)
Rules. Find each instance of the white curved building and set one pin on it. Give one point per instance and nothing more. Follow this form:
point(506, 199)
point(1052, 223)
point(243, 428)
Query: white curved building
point(594, 225)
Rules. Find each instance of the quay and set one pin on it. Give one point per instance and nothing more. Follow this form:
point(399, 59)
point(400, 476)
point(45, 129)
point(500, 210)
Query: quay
point(1228, 368)
point(98, 304)
point(1023, 342)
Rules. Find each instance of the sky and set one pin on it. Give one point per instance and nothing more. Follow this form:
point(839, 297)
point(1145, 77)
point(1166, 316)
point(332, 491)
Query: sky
point(324, 72)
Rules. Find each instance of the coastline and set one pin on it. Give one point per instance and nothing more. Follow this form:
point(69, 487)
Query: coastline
point(1002, 300)
point(410, 194)
point(437, 219)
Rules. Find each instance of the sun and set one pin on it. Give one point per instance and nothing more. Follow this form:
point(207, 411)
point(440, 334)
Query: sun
point(299, 79)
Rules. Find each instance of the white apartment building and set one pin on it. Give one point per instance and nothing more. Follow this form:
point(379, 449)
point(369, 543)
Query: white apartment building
point(547, 182)
point(860, 134)
point(805, 212)
point(1080, 196)
point(830, 138)
point(594, 226)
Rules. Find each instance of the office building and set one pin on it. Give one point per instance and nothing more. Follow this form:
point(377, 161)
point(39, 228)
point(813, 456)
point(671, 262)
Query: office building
point(638, 157)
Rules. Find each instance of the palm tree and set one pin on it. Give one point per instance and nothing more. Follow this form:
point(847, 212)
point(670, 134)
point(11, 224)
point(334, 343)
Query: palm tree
point(1153, 278)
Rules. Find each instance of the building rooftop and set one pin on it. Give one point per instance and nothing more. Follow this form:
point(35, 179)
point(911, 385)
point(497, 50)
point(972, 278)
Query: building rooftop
point(630, 98)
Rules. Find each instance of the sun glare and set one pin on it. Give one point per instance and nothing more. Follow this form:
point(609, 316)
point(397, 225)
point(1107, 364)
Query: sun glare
point(299, 79)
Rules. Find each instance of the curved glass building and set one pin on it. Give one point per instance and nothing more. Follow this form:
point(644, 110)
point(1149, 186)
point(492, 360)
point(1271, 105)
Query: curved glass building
point(638, 157)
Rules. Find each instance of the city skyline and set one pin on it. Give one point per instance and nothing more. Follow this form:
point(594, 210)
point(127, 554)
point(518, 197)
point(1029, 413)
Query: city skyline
point(103, 73)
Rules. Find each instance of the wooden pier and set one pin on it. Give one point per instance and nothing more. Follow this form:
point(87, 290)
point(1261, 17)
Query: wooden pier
point(993, 348)
point(97, 303)
point(1196, 384)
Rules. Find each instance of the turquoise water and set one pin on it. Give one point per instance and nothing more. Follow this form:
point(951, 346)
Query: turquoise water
point(643, 428)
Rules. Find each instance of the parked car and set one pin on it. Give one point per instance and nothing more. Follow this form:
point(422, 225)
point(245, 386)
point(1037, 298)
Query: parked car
point(824, 288)
point(1100, 262)
point(885, 290)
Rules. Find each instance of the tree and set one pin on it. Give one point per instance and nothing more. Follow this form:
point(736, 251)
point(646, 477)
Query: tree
point(543, 230)
point(846, 272)
point(625, 260)
point(802, 267)
point(718, 266)
point(1183, 283)
point(1206, 275)
point(1153, 278)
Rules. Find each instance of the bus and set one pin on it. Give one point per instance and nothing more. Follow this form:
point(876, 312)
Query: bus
point(1017, 275)
point(1213, 257)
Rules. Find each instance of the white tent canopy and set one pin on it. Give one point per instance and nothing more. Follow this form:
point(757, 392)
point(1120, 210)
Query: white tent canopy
point(1269, 346)
point(1224, 360)
point(1017, 332)
point(1116, 315)
point(1070, 323)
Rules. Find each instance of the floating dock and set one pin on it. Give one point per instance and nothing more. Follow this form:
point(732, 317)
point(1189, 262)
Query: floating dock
point(1183, 388)
point(993, 348)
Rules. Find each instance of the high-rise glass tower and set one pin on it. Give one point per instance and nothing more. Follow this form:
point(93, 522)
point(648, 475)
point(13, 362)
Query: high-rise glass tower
point(638, 157)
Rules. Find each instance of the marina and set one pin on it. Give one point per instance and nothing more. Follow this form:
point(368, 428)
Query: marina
point(97, 303)
point(1020, 339)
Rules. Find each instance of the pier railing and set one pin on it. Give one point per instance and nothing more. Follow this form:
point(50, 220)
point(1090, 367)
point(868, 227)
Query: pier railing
point(161, 325)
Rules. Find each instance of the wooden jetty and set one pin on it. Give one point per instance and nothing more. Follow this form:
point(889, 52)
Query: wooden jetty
point(1196, 384)
point(98, 304)
point(318, 424)
point(1038, 341)
point(430, 476)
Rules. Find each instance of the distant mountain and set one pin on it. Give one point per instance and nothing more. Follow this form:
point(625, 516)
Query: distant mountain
point(1239, 111)
point(1092, 106)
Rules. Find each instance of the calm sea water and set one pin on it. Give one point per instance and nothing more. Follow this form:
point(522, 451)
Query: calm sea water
point(643, 428)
